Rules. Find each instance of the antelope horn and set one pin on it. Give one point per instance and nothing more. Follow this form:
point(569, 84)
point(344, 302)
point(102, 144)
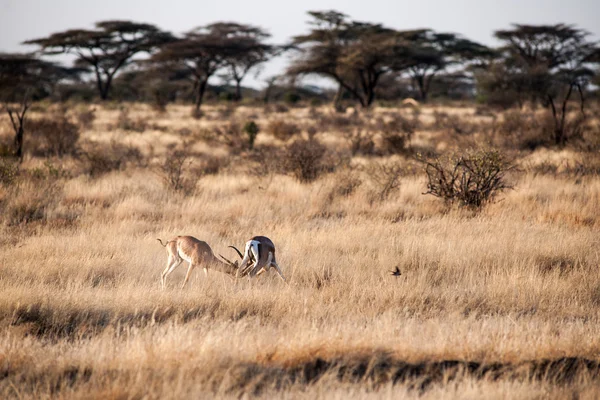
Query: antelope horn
point(226, 260)
point(239, 252)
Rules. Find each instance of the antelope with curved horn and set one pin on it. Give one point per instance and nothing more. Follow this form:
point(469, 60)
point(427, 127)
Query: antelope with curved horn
point(258, 257)
point(196, 253)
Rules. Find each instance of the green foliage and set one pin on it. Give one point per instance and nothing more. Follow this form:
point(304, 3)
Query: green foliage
point(291, 97)
point(251, 129)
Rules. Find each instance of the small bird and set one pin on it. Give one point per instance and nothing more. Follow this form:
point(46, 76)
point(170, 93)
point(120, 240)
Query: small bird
point(396, 272)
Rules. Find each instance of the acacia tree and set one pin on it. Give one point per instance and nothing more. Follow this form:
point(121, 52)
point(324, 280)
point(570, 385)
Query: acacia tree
point(433, 52)
point(555, 61)
point(107, 49)
point(354, 54)
point(247, 52)
point(202, 51)
point(24, 78)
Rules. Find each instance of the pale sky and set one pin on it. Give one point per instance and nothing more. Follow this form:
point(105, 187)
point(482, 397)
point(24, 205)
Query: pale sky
point(475, 19)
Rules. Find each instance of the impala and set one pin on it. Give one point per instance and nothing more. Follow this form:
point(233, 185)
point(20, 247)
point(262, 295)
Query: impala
point(258, 257)
point(196, 253)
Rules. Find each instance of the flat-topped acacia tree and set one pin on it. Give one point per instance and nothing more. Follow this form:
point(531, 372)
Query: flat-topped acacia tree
point(249, 51)
point(551, 62)
point(354, 54)
point(106, 49)
point(432, 52)
point(202, 51)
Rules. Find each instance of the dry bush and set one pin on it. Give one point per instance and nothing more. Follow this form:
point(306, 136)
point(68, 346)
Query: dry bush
point(86, 118)
point(386, 178)
point(126, 123)
point(397, 132)
point(32, 196)
point(305, 159)
point(231, 134)
point(360, 141)
point(173, 172)
point(100, 159)
point(341, 123)
point(208, 165)
point(282, 129)
point(454, 124)
point(471, 180)
point(9, 171)
point(525, 130)
point(346, 183)
point(53, 136)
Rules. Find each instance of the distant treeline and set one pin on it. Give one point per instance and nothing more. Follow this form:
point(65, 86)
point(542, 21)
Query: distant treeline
point(547, 65)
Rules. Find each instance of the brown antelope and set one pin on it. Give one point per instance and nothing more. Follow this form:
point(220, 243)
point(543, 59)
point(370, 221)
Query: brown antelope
point(258, 257)
point(196, 253)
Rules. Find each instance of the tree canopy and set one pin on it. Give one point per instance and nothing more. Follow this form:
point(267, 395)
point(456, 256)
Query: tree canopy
point(105, 50)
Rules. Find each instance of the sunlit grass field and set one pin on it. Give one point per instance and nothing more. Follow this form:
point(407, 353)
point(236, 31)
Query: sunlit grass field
point(498, 303)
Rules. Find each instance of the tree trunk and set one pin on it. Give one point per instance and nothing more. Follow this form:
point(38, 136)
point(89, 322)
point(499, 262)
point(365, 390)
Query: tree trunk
point(238, 90)
point(422, 89)
point(19, 142)
point(337, 100)
point(200, 94)
point(19, 128)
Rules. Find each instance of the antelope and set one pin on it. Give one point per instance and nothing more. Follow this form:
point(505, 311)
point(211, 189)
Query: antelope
point(258, 257)
point(196, 253)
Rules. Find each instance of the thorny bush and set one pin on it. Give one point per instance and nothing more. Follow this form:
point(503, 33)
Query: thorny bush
point(471, 180)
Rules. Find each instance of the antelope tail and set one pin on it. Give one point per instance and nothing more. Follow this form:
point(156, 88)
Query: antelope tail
point(161, 243)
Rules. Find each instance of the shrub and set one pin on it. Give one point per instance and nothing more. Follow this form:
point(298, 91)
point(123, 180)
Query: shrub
point(9, 171)
point(126, 123)
point(471, 180)
point(251, 129)
point(361, 142)
point(397, 132)
point(291, 97)
point(101, 160)
point(30, 200)
point(345, 184)
point(282, 130)
point(304, 159)
point(86, 118)
point(386, 178)
point(172, 172)
point(55, 136)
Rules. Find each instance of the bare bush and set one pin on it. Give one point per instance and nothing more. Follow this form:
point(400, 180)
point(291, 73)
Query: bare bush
point(282, 130)
point(361, 141)
point(397, 132)
point(53, 136)
point(126, 123)
point(9, 171)
point(386, 178)
point(100, 160)
point(32, 196)
point(471, 180)
point(454, 124)
point(346, 183)
point(172, 171)
point(86, 118)
point(304, 159)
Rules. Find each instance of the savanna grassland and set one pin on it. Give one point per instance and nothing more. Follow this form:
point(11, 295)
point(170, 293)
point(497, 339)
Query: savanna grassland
point(501, 302)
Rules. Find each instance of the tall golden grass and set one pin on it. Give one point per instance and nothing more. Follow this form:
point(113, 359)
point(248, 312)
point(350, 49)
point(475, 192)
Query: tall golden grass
point(498, 303)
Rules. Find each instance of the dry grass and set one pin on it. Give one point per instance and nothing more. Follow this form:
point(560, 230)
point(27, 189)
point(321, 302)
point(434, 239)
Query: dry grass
point(502, 303)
